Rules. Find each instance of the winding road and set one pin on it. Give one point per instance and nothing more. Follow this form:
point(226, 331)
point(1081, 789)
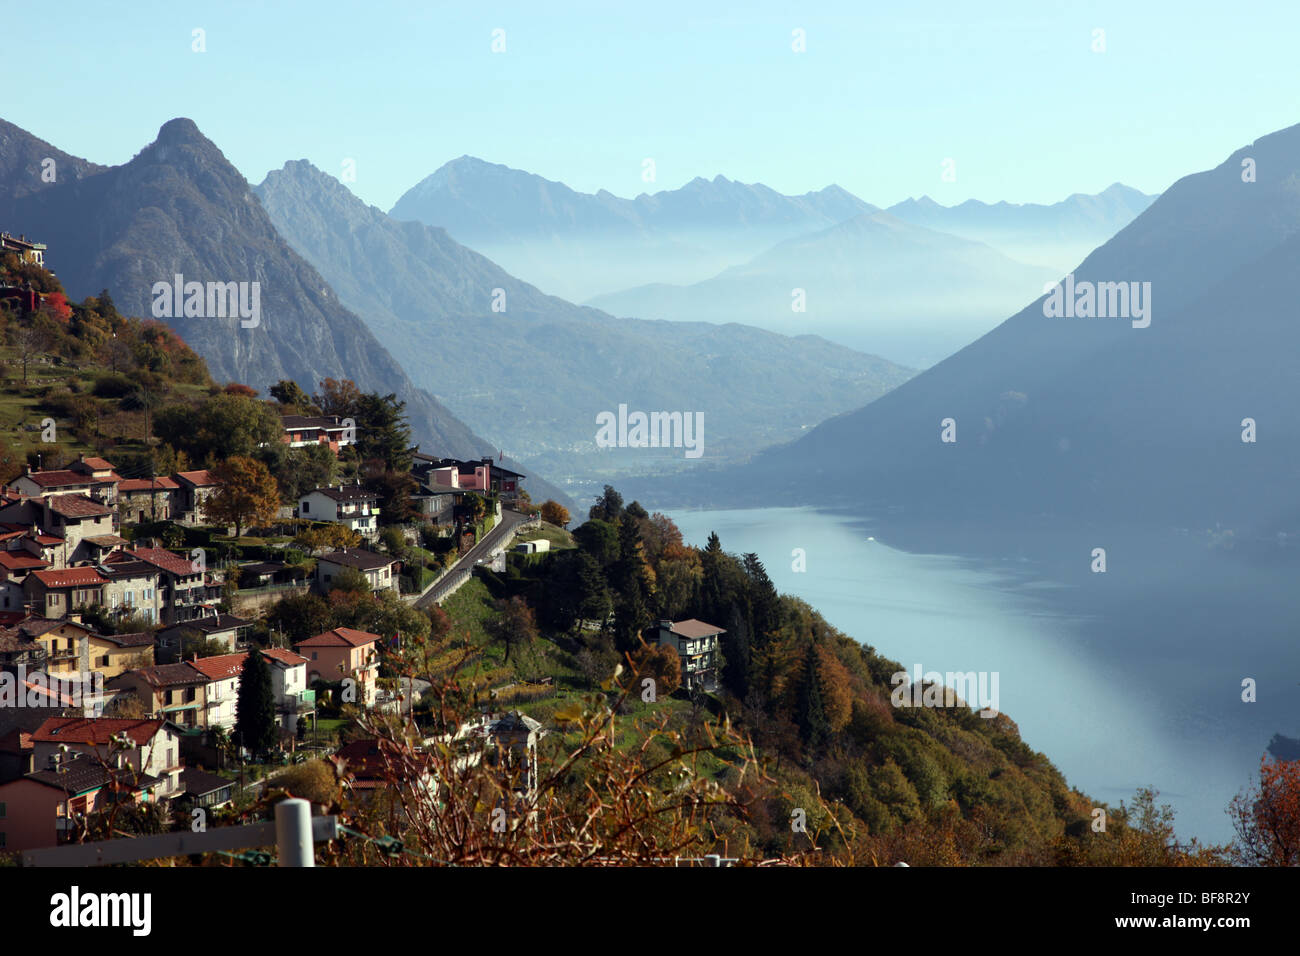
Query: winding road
point(503, 530)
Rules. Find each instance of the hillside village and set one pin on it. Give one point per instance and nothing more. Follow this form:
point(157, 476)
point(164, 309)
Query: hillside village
point(125, 608)
point(210, 600)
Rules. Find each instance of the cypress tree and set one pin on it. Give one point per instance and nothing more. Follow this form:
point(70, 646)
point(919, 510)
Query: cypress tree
point(255, 705)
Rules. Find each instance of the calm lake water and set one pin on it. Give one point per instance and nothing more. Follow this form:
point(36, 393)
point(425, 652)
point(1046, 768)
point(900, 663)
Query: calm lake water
point(1124, 680)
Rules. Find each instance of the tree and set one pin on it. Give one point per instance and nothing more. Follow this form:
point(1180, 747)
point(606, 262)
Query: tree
point(659, 662)
point(290, 395)
point(351, 581)
point(608, 507)
point(515, 625)
point(735, 647)
point(814, 724)
point(300, 616)
point(383, 432)
point(338, 397)
point(555, 513)
point(247, 496)
point(394, 541)
point(1267, 819)
point(222, 426)
point(599, 539)
point(303, 470)
point(593, 599)
point(255, 705)
point(11, 464)
point(327, 537)
point(763, 599)
point(394, 489)
point(31, 339)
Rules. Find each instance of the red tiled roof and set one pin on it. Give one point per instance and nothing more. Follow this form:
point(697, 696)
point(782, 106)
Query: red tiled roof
point(147, 484)
point(202, 477)
point(98, 464)
point(162, 675)
point(20, 561)
point(70, 578)
point(54, 479)
point(340, 637)
point(95, 730)
point(220, 667)
point(162, 558)
point(77, 506)
point(286, 657)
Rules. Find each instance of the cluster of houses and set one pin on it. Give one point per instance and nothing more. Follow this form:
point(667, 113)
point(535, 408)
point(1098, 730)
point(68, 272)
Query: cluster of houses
point(61, 757)
point(65, 749)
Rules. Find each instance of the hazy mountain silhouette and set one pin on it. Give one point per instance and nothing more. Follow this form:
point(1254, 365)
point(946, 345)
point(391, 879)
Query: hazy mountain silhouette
point(1091, 419)
point(581, 244)
point(179, 207)
point(874, 283)
point(1057, 236)
point(534, 376)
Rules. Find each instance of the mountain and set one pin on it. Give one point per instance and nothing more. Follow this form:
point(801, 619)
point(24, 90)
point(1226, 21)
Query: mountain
point(1057, 236)
point(1095, 421)
point(535, 376)
point(874, 283)
point(26, 167)
point(180, 208)
point(581, 244)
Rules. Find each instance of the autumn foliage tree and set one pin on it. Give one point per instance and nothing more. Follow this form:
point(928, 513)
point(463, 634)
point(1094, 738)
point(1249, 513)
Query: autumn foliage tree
point(660, 663)
point(555, 513)
point(247, 496)
point(1267, 819)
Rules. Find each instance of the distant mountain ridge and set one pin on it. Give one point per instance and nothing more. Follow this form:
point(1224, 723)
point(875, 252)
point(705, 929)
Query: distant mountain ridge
point(577, 245)
point(1091, 420)
point(873, 282)
point(180, 208)
point(1112, 208)
point(1060, 234)
point(475, 201)
point(535, 375)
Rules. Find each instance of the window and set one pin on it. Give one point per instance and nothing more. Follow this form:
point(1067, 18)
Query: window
point(2, 811)
point(306, 507)
point(313, 655)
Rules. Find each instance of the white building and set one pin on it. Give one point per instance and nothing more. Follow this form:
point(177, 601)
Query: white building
point(352, 506)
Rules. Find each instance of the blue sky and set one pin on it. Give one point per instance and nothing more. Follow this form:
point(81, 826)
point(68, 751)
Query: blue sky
point(585, 91)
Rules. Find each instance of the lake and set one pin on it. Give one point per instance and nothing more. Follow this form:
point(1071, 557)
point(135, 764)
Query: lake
point(1126, 679)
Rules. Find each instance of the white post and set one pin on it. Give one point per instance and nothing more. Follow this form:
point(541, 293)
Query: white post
point(293, 832)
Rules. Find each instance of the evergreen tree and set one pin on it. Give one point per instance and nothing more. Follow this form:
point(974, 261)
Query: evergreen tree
point(255, 707)
point(814, 724)
point(712, 588)
point(608, 507)
point(594, 601)
point(764, 602)
point(736, 653)
point(631, 583)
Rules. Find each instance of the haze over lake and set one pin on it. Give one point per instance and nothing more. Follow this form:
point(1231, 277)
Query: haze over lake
point(1125, 680)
